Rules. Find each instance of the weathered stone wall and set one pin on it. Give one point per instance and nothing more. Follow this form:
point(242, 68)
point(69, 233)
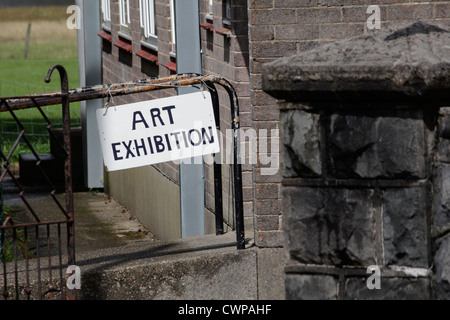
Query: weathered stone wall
point(280, 28)
point(364, 166)
point(360, 200)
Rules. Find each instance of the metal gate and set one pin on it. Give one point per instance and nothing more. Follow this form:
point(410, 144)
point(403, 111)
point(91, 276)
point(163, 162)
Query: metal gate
point(32, 252)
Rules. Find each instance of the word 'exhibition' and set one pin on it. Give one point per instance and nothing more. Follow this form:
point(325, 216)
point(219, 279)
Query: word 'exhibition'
point(155, 131)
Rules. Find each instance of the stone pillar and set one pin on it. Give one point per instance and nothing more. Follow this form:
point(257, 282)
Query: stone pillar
point(366, 165)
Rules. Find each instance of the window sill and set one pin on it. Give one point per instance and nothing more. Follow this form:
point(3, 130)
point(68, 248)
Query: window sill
point(124, 35)
point(105, 35)
point(224, 32)
point(172, 66)
point(107, 27)
point(148, 56)
point(227, 22)
point(208, 26)
point(124, 45)
point(149, 45)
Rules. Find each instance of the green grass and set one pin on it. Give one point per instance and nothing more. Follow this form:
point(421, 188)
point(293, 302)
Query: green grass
point(23, 77)
point(26, 76)
point(50, 43)
point(47, 13)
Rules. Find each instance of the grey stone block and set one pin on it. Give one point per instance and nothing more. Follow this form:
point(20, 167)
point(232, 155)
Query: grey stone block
point(391, 289)
point(331, 226)
point(441, 284)
point(311, 287)
point(301, 145)
point(405, 227)
point(444, 122)
point(441, 197)
point(409, 64)
point(377, 147)
point(443, 150)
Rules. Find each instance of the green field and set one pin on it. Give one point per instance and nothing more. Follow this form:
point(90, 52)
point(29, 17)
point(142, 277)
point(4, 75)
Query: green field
point(22, 72)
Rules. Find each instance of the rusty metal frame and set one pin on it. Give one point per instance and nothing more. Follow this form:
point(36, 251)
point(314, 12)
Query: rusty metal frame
point(65, 97)
point(67, 210)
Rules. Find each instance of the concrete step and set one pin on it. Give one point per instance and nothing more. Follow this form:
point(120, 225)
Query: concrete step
point(118, 261)
point(207, 267)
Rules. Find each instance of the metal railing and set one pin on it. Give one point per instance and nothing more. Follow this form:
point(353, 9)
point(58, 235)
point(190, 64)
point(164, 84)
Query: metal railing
point(19, 232)
point(12, 271)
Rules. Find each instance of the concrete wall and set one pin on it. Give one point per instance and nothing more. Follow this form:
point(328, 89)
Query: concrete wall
point(137, 190)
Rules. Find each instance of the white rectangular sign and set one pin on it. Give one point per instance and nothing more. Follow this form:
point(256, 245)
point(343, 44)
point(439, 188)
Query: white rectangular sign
point(149, 132)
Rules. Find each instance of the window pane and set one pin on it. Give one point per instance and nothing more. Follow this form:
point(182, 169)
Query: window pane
point(172, 21)
point(124, 7)
point(106, 11)
point(147, 15)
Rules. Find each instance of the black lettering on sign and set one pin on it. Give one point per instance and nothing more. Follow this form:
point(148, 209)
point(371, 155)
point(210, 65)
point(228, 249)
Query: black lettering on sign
point(169, 112)
point(140, 146)
point(158, 117)
point(116, 152)
point(128, 147)
point(159, 144)
point(136, 115)
point(156, 114)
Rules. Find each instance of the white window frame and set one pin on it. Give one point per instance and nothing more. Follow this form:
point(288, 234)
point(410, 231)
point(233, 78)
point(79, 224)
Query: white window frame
point(210, 14)
point(106, 14)
point(124, 11)
point(173, 30)
point(106, 10)
point(148, 19)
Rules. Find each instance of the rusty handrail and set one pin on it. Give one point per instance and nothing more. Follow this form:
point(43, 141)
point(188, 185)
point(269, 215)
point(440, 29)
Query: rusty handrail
point(147, 85)
point(107, 90)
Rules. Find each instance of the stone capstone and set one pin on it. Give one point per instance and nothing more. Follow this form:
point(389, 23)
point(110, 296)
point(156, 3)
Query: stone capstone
point(408, 64)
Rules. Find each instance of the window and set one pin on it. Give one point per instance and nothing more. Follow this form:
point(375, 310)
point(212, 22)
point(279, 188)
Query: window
point(211, 4)
point(124, 10)
point(106, 12)
point(226, 19)
point(227, 13)
point(209, 25)
point(172, 22)
point(148, 21)
point(147, 10)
